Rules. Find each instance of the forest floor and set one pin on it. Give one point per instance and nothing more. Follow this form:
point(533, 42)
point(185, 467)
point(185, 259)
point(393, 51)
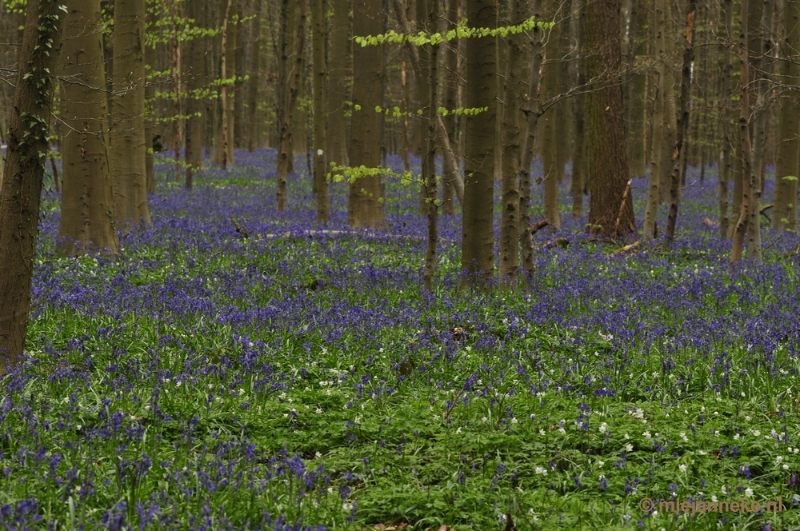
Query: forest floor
point(273, 378)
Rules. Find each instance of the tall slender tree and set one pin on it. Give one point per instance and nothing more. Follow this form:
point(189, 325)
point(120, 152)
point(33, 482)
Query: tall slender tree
point(255, 121)
point(662, 84)
point(338, 94)
point(610, 207)
point(422, 8)
point(683, 119)
point(725, 96)
point(223, 142)
point(320, 109)
point(579, 174)
point(787, 170)
point(516, 80)
point(747, 171)
point(195, 82)
point(28, 139)
point(450, 93)
point(429, 160)
point(87, 204)
point(149, 100)
point(365, 207)
point(128, 143)
point(221, 145)
point(532, 114)
point(551, 118)
point(477, 244)
point(177, 83)
point(291, 78)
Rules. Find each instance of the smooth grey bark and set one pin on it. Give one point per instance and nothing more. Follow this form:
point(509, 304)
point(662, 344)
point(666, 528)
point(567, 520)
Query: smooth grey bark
point(477, 244)
point(87, 201)
point(128, 142)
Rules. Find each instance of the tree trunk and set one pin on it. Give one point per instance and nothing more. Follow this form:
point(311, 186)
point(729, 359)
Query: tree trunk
point(221, 149)
point(240, 125)
point(748, 180)
point(683, 118)
point(450, 103)
point(405, 106)
point(28, 142)
point(87, 204)
point(340, 50)
point(196, 81)
point(230, 52)
point(553, 170)
point(477, 244)
point(223, 144)
point(422, 8)
point(290, 85)
point(254, 138)
point(787, 169)
point(764, 50)
point(726, 92)
point(532, 114)
point(563, 133)
point(149, 130)
point(429, 162)
point(637, 89)
point(365, 207)
point(177, 89)
point(516, 78)
point(128, 142)
point(579, 147)
point(662, 82)
point(667, 92)
point(320, 74)
point(608, 157)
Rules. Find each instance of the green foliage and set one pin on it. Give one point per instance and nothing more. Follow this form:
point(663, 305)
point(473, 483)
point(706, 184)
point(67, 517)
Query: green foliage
point(442, 111)
point(470, 408)
point(352, 174)
point(461, 31)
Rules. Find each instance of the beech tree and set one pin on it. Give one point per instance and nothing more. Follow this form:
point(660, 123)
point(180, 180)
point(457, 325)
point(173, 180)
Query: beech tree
point(28, 141)
point(787, 170)
point(552, 119)
point(516, 78)
point(87, 205)
point(128, 143)
point(477, 244)
point(291, 77)
point(365, 206)
point(320, 110)
point(611, 205)
point(341, 50)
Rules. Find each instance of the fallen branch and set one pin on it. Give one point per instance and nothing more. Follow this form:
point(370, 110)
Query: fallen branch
point(328, 232)
point(539, 226)
point(625, 249)
point(561, 242)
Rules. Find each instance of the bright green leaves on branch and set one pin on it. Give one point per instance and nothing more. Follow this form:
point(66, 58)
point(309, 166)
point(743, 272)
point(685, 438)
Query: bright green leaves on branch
point(351, 175)
point(461, 31)
point(461, 111)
